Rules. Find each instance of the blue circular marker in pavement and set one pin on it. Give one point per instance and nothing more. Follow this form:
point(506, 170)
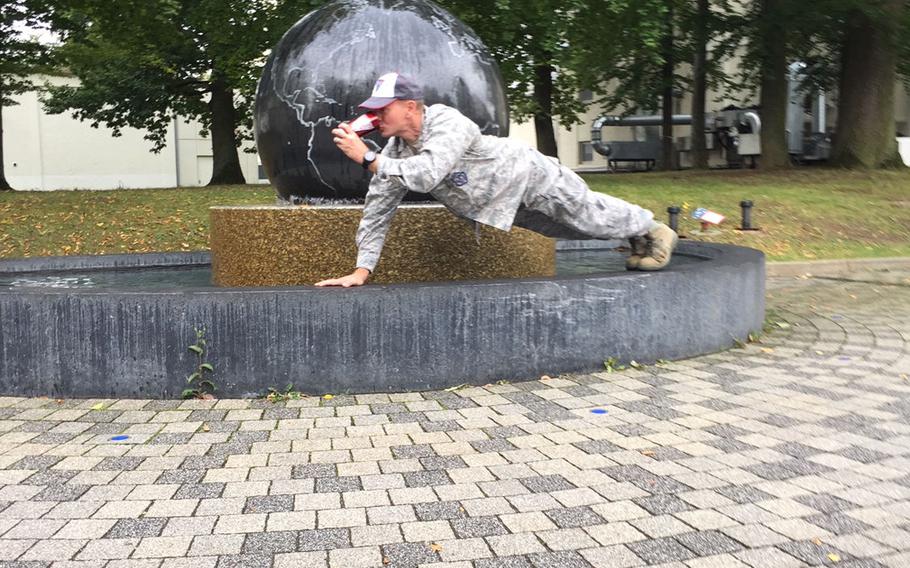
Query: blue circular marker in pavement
point(598, 411)
point(119, 438)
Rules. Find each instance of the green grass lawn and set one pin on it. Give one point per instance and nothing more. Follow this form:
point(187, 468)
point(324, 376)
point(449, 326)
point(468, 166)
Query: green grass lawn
point(809, 213)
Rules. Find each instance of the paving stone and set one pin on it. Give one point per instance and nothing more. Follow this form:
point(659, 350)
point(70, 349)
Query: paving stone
point(546, 483)
point(439, 510)
point(811, 553)
point(426, 478)
point(270, 542)
point(427, 531)
point(62, 493)
point(245, 561)
point(754, 536)
point(662, 504)
point(560, 559)
point(361, 557)
point(503, 562)
point(313, 470)
point(657, 551)
point(574, 517)
point(408, 554)
point(269, 504)
point(618, 556)
point(50, 477)
point(136, 528)
point(199, 491)
point(323, 539)
point(413, 451)
point(478, 527)
point(707, 543)
point(338, 484)
point(743, 493)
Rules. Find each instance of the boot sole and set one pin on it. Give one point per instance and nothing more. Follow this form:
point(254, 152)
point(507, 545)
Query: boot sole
point(666, 262)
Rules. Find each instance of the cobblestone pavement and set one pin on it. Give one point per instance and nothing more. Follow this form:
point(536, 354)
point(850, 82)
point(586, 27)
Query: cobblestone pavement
point(789, 452)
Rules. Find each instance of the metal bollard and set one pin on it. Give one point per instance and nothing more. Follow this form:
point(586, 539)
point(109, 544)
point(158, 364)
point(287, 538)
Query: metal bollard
point(746, 206)
point(673, 210)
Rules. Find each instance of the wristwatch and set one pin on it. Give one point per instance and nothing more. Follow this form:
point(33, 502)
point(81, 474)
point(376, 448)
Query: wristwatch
point(368, 159)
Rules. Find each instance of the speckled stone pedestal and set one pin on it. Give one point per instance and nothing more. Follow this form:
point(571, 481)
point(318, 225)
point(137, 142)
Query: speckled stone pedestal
point(291, 246)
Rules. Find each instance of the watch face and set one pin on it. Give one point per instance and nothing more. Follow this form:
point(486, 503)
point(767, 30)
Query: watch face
point(369, 156)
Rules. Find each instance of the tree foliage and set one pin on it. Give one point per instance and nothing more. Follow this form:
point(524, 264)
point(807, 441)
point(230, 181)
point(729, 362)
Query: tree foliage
point(533, 43)
point(21, 55)
point(142, 63)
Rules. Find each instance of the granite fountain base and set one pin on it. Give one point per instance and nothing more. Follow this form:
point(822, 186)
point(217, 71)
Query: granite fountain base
point(118, 326)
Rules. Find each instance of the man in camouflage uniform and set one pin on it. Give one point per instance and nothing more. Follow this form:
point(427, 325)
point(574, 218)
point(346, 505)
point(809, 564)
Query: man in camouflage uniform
point(498, 182)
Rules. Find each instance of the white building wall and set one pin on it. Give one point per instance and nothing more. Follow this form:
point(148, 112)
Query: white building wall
point(47, 152)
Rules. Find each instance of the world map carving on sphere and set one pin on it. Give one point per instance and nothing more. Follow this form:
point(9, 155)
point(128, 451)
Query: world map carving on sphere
point(326, 64)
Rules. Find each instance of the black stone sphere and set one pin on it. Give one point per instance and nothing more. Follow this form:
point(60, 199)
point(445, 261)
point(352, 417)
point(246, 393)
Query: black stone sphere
point(325, 66)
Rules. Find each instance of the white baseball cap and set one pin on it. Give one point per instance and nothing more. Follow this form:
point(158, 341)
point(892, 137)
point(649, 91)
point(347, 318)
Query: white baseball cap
point(390, 87)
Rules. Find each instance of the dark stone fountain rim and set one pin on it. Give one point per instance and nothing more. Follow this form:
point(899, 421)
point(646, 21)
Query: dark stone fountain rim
point(131, 343)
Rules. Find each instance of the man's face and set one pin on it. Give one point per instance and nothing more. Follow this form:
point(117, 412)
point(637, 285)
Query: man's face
point(392, 118)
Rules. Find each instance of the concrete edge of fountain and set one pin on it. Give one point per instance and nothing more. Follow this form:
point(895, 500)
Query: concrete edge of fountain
point(381, 338)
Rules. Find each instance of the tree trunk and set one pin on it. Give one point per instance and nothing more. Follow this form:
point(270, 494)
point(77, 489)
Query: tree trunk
point(4, 185)
point(667, 161)
point(864, 136)
point(700, 72)
point(543, 118)
point(774, 86)
point(225, 161)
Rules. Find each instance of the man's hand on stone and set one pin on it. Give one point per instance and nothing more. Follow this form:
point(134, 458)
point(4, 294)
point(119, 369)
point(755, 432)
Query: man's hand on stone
point(357, 278)
point(349, 143)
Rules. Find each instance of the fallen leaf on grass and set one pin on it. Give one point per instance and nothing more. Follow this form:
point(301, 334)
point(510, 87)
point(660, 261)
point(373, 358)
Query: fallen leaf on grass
point(435, 547)
point(206, 428)
point(648, 453)
point(767, 350)
point(833, 557)
point(99, 406)
point(328, 396)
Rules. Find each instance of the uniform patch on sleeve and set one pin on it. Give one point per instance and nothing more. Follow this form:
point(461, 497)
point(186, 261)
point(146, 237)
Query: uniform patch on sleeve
point(458, 179)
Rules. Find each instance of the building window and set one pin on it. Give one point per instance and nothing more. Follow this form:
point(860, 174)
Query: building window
point(262, 172)
point(585, 152)
point(585, 96)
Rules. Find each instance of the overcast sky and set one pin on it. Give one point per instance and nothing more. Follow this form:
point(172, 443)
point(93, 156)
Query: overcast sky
point(43, 36)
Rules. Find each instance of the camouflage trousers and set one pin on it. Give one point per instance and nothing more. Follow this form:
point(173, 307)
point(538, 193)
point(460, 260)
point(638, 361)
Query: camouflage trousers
point(568, 209)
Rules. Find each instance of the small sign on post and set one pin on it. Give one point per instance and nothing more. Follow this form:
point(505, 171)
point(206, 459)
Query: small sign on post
point(707, 217)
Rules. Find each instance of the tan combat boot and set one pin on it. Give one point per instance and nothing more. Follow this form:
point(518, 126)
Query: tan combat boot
point(639, 249)
point(661, 241)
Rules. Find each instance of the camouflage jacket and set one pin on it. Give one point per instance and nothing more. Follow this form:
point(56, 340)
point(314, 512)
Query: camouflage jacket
point(478, 177)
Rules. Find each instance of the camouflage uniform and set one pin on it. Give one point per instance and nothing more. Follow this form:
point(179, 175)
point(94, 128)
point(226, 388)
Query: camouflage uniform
point(498, 182)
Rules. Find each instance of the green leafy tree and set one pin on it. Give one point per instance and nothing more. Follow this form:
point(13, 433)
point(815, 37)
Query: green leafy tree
point(20, 56)
point(852, 47)
point(865, 134)
point(533, 42)
point(779, 33)
point(142, 63)
point(709, 38)
point(648, 52)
